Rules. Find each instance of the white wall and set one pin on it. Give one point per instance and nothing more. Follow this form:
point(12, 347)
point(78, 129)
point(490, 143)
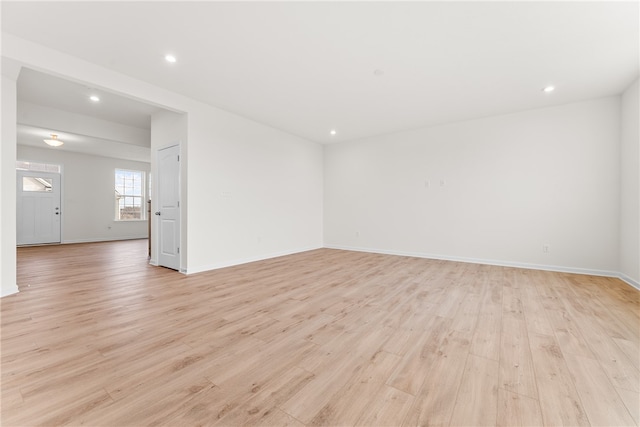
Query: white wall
point(630, 187)
point(8, 284)
point(88, 205)
point(254, 192)
point(249, 191)
point(512, 184)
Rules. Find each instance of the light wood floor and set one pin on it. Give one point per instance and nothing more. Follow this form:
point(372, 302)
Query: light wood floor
point(327, 337)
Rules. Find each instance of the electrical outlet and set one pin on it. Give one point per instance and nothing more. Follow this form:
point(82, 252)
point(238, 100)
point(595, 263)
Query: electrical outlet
point(546, 248)
point(357, 234)
point(427, 184)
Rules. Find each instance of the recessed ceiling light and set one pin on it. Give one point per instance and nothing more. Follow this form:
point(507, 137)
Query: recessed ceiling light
point(333, 132)
point(94, 98)
point(548, 89)
point(170, 58)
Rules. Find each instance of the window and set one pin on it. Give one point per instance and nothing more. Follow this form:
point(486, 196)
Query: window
point(129, 195)
point(34, 183)
point(39, 167)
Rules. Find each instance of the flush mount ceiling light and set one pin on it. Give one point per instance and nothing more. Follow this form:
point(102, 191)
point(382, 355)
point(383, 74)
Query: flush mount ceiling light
point(548, 89)
point(170, 58)
point(94, 98)
point(333, 132)
point(54, 141)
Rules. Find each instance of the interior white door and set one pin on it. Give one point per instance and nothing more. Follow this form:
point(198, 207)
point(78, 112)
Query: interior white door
point(169, 207)
point(38, 207)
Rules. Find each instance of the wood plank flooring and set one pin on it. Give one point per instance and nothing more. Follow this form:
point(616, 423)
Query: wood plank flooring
point(98, 337)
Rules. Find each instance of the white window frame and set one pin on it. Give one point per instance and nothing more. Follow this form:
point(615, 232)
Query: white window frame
point(142, 196)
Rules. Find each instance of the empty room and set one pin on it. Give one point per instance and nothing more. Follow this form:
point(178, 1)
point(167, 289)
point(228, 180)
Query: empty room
point(320, 213)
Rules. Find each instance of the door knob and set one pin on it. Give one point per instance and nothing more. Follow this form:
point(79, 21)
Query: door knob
point(158, 213)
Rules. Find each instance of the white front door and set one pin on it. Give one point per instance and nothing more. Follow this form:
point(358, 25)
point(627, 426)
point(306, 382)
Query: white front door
point(169, 207)
point(38, 207)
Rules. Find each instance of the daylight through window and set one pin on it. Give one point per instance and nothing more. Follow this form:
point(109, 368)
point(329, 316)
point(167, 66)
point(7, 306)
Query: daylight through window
point(129, 195)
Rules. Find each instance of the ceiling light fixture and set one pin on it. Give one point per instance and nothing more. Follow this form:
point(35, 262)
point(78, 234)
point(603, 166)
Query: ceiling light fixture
point(548, 89)
point(170, 58)
point(54, 141)
point(333, 132)
point(94, 98)
point(378, 72)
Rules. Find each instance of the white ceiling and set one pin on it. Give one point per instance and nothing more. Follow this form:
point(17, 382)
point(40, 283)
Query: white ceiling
point(49, 91)
point(308, 67)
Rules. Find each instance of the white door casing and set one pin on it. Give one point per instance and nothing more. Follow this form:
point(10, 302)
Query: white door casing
point(38, 209)
point(168, 213)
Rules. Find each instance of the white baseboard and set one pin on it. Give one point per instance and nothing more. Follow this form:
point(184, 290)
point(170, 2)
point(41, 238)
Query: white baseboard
point(239, 261)
point(629, 280)
point(11, 290)
point(102, 239)
point(561, 269)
